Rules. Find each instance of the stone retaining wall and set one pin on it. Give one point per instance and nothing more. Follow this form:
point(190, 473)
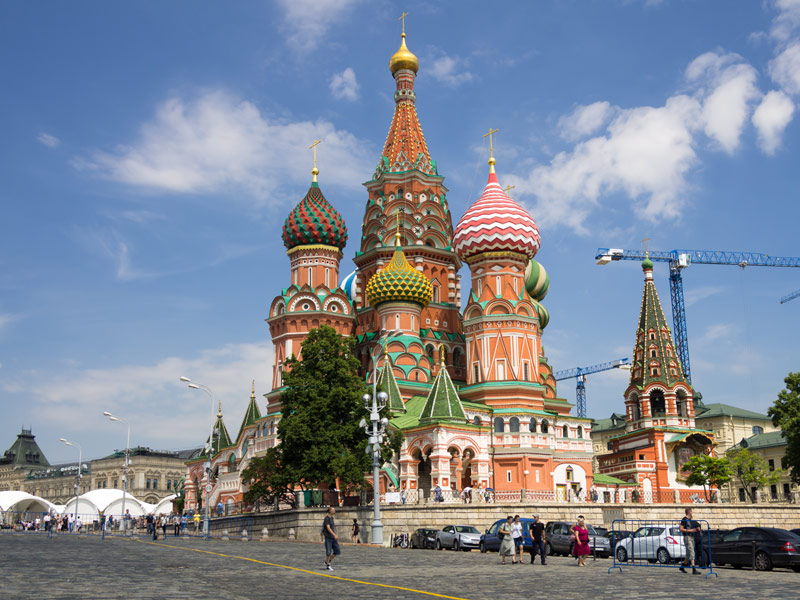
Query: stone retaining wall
point(306, 524)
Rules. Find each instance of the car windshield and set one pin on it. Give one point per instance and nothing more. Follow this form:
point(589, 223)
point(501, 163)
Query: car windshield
point(591, 529)
point(465, 529)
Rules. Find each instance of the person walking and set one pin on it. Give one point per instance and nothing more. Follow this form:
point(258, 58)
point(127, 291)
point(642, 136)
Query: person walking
point(196, 519)
point(331, 539)
point(688, 528)
point(354, 532)
point(517, 535)
point(538, 539)
point(581, 548)
point(164, 523)
point(176, 525)
point(506, 541)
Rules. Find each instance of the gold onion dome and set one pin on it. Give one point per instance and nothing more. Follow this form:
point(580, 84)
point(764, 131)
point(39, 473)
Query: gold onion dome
point(399, 281)
point(403, 58)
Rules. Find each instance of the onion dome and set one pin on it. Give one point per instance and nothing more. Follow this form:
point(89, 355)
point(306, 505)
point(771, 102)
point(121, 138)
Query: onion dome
point(348, 285)
point(495, 223)
point(399, 281)
point(403, 58)
point(314, 221)
point(537, 281)
point(647, 263)
point(543, 314)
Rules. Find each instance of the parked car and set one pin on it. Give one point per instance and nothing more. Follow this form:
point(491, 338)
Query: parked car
point(616, 535)
point(654, 543)
point(424, 538)
point(795, 531)
point(489, 542)
point(458, 537)
point(557, 534)
point(773, 548)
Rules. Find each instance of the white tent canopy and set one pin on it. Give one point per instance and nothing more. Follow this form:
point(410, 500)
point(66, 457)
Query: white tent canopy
point(132, 505)
point(92, 503)
point(164, 506)
point(16, 502)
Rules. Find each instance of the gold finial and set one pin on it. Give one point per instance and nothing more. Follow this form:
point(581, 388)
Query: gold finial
point(403, 58)
point(491, 148)
point(646, 251)
point(397, 230)
point(402, 19)
point(507, 188)
point(441, 355)
point(315, 170)
point(253, 390)
point(219, 411)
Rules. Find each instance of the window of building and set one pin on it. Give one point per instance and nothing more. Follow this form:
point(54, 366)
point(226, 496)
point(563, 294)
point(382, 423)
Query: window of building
point(501, 370)
point(545, 426)
point(475, 373)
point(652, 335)
point(654, 371)
point(155, 484)
point(771, 464)
point(533, 426)
point(565, 431)
point(773, 492)
point(513, 425)
point(327, 277)
point(508, 476)
point(476, 421)
point(499, 425)
point(525, 371)
point(115, 484)
point(786, 491)
point(436, 294)
point(570, 474)
point(757, 429)
point(741, 495)
point(653, 353)
point(147, 485)
point(580, 432)
point(169, 484)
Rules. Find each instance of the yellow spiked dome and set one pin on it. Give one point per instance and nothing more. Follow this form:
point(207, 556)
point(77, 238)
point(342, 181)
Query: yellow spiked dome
point(399, 281)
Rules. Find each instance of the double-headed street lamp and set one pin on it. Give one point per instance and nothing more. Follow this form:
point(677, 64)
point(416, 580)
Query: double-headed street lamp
point(77, 479)
point(375, 429)
point(207, 465)
point(124, 468)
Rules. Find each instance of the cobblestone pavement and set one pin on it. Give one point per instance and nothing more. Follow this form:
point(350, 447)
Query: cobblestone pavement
point(67, 566)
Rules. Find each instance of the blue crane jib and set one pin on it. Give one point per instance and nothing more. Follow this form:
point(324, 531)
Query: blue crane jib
point(580, 374)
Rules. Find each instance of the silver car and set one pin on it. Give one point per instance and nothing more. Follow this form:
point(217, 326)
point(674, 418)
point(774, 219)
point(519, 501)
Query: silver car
point(662, 543)
point(458, 537)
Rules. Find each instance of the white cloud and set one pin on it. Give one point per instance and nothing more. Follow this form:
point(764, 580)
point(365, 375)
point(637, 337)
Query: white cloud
point(771, 118)
point(715, 332)
point(449, 70)
point(785, 68)
point(151, 397)
point(307, 21)
point(787, 20)
point(48, 140)
point(6, 319)
point(109, 244)
point(695, 294)
point(729, 87)
point(344, 85)
point(217, 142)
point(585, 120)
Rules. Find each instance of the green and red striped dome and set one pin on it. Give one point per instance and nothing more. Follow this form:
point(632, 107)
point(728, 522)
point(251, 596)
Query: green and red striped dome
point(314, 221)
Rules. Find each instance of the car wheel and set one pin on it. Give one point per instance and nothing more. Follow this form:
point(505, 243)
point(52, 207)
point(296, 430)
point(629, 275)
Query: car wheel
point(763, 562)
point(548, 549)
point(438, 544)
point(455, 546)
point(413, 545)
point(622, 555)
point(483, 548)
point(663, 556)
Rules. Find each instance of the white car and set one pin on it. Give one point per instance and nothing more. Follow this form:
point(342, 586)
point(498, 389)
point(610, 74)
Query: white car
point(458, 537)
point(662, 543)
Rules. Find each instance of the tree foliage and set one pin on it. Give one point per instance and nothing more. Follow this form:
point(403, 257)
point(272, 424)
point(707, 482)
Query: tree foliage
point(320, 437)
point(752, 471)
point(708, 471)
point(785, 414)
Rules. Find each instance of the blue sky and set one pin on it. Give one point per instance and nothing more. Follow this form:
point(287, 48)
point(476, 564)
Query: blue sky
point(152, 150)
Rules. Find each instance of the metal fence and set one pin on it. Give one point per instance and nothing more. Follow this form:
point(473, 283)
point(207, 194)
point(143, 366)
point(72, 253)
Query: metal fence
point(660, 543)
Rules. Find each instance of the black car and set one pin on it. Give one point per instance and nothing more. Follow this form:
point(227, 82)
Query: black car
point(424, 538)
point(761, 547)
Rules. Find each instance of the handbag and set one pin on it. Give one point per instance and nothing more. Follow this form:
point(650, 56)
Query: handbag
point(572, 538)
point(500, 535)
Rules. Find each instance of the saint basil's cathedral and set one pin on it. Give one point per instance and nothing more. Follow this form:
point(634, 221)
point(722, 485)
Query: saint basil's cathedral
point(469, 387)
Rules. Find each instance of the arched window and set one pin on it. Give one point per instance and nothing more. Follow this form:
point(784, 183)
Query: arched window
point(565, 431)
point(570, 474)
point(658, 403)
point(545, 426)
point(499, 425)
point(513, 425)
point(429, 351)
point(653, 353)
point(580, 432)
point(525, 375)
point(757, 430)
point(532, 426)
point(476, 421)
point(652, 335)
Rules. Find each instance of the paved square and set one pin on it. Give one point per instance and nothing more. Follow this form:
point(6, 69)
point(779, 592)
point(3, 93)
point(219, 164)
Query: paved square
point(87, 567)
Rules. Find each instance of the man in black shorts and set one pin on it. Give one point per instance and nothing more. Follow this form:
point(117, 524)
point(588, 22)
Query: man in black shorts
point(538, 538)
point(331, 539)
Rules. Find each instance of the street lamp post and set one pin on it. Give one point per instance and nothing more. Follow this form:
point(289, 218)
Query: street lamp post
point(207, 465)
point(375, 429)
point(77, 479)
point(124, 468)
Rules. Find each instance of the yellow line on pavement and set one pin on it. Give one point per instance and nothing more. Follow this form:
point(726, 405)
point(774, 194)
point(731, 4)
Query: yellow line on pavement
point(261, 562)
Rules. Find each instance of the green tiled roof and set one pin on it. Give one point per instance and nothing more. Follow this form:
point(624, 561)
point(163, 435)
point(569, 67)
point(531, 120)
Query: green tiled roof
point(221, 437)
point(388, 384)
point(411, 418)
point(726, 410)
point(443, 403)
point(615, 421)
point(763, 440)
point(252, 414)
point(601, 479)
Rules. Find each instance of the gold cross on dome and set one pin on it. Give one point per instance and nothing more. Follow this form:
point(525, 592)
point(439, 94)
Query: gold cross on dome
point(491, 145)
point(402, 19)
point(315, 170)
point(644, 243)
point(507, 188)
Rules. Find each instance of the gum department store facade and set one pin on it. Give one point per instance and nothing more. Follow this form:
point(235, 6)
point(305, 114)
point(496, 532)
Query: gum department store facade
point(470, 387)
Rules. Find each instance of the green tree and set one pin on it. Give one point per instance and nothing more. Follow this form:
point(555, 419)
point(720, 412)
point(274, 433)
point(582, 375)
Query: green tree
point(320, 437)
point(708, 471)
point(785, 414)
point(752, 471)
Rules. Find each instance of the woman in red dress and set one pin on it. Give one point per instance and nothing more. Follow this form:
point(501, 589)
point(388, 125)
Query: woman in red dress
point(581, 548)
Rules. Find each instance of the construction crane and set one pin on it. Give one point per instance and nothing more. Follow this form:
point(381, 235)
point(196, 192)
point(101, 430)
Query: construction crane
point(580, 374)
point(679, 260)
point(791, 296)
